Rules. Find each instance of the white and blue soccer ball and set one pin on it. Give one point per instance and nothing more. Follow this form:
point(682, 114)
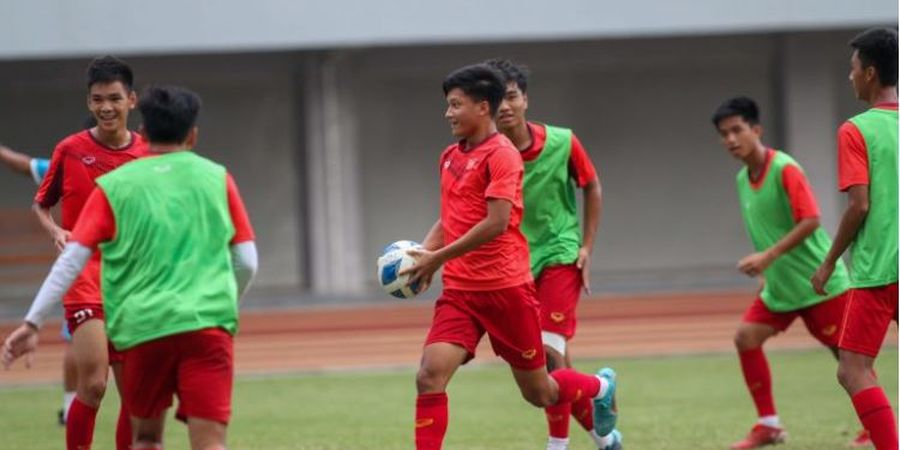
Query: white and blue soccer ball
point(393, 260)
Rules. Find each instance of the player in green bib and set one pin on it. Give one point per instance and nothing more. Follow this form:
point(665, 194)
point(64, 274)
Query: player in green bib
point(781, 217)
point(177, 251)
point(867, 171)
point(555, 165)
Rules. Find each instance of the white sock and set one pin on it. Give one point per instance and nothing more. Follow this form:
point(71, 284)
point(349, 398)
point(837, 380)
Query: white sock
point(604, 385)
point(68, 397)
point(557, 443)
point(770, 421)
point(600, 441)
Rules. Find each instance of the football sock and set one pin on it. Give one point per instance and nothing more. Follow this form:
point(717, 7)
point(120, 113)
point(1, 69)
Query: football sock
point(573, 385)
point(583, 412)
point(123, 429)
point(431, 420)
point(558, 421)
point(80, 426)
point(875, 413)
point(759, 380)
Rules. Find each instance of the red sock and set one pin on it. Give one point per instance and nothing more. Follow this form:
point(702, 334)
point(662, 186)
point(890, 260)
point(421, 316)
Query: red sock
point(431, 420)
point(583, 412)
point(875, 413)
point(80, 425)
point(759, 380)
point(123, 430)
point(558, 419)
point(573, 385)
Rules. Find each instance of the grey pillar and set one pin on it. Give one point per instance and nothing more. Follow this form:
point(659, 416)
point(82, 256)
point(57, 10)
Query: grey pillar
point(811, 105)
point(335, 216)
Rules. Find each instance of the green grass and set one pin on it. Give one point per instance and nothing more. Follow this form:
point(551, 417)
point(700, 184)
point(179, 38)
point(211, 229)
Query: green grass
point(695, 402)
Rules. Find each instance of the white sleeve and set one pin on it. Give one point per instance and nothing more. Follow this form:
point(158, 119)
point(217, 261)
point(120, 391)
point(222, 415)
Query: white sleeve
point(64, 272)
point(245, 262)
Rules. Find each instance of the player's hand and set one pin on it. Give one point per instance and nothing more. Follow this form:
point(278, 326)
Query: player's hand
point(820, 278)
point(584, 264)
point(61, 238)
point(427, 263)
point(22, 342)
point(755, 264)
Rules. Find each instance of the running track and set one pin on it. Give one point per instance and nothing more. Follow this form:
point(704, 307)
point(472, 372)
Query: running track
point(391, 334)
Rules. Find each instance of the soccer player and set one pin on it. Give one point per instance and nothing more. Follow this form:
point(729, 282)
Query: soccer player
point(74, 165)
point(177, 250)
point(867, 171)
point(781, 217)
point(555, 162)
point(488, 287)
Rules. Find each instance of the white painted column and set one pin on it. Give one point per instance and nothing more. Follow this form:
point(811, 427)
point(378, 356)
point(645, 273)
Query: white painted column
point(334, 206)
point(811, 107)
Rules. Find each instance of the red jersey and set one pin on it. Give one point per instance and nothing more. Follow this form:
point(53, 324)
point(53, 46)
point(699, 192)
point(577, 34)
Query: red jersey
point(853, 158)
point(98, 223)
point(77, 160)
point(581, 169)
point(492, 169)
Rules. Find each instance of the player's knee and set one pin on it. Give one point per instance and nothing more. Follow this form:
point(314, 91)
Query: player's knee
point(429, 379)
point(91, 391)
point(745, 340)
point(540, 398)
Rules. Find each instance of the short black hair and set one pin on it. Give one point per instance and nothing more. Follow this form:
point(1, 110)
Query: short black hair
point(169, 113)
point(512, 72)
point(877, 48)
point(742, 106)
point(479, 82)
point(109, 69)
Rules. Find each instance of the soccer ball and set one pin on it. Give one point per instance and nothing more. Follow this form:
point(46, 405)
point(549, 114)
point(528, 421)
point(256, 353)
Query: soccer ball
point(392, 261)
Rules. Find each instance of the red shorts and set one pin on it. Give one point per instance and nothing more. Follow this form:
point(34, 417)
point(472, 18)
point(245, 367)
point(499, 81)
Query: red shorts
point(87, 285)
point(558, 289)
point(198, 366)
point(509, 316)
point(76, 315)
point(823, 320)
point(869, 312)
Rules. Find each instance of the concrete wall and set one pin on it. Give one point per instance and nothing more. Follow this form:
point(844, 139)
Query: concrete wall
point(336, 152)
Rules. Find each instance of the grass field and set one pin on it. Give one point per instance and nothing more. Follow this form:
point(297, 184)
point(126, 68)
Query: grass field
point(690, 402)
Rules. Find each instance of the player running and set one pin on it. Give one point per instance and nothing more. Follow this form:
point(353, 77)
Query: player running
point(488, 287)
point(555, 163)
point(781, 217)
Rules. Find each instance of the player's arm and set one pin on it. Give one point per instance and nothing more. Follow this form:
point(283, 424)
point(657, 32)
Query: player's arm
point(493, 225)
point(586, 177)
point(435, 237)
point(756, 263)
point(244, 257)
point(851, 221)
point(853, 177)
point(17, 162)
point(49, 194)
point(59, 236)
point(805, 212)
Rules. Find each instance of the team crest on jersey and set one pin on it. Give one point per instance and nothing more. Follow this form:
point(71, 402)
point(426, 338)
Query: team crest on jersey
point(88, 160)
